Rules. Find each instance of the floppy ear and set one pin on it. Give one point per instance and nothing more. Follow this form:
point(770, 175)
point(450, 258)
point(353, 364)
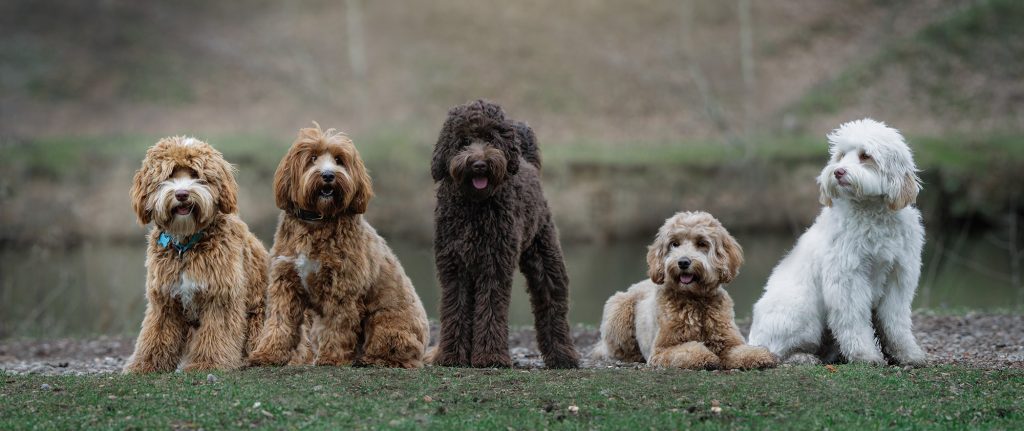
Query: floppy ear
point(285, 179)
point(144, 184)
point(511, 147)
point(903, 191)
point(823, 194)
point(447, 144)
point(729, 255)
point(656, 260)
point(363, 186)
point(222, 178)
point(527, 143)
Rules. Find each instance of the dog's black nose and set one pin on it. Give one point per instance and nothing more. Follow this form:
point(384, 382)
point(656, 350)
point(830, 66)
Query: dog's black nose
point(479, 166)
point(839, 173)
point(181, 195)
point(684, 263)
point(328, 176)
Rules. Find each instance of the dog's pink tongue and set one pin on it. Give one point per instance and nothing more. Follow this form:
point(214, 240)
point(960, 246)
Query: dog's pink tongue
point(686, 279)
point(480, 182)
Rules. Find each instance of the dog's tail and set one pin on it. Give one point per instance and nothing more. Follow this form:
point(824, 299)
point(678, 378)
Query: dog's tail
point(527, 143)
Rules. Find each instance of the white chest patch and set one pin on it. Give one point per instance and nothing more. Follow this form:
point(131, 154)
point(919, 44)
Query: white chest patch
point(185, 291)
point(306, 268)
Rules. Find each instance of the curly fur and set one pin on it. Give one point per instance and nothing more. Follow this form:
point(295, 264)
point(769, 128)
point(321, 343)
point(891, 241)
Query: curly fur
point(205, 306)
point(682, 316)
point(330, 269)
point(491, 216)
point(850, 280)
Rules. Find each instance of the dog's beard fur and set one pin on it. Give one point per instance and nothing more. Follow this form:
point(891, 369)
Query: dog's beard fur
point(861, 181)
point(165, 206)
point(313, 192)
point(461, 169)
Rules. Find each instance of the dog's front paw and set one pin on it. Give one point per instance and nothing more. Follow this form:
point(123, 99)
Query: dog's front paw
point(140, 367)
point(562, 360)
point(749, 358)
point(383, 362)
point(264, 358)
point(208, 366)
point(803, 359)
point(326, 359)
point(492, 360)
point(915, 359)
point(445, 360)
point(875, 359)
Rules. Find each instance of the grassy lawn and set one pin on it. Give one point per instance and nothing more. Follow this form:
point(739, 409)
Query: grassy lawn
point(806, 397)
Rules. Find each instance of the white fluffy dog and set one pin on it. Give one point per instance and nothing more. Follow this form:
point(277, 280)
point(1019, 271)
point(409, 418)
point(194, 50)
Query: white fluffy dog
point(853, 274)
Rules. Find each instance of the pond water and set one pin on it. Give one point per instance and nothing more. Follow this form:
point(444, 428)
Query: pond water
point(99, 288)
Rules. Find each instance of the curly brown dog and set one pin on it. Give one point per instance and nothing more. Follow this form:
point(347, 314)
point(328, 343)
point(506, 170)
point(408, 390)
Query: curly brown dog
point(682, 317)
point(491, 215)
point(206, 273)
point(327, 259)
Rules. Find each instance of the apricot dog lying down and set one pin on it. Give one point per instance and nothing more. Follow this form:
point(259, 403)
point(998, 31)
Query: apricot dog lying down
point(682, 316)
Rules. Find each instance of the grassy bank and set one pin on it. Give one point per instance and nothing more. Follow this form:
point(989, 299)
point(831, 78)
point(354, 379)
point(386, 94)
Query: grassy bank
point(850, 397)
point(600, 190)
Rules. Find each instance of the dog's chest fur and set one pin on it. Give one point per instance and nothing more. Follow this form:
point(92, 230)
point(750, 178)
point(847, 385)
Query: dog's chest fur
point(185, 291)
point(668, 318)
point(878, 239)
point(306, 268)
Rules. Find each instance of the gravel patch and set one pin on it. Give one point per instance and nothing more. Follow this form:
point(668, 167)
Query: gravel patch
point(992, 341)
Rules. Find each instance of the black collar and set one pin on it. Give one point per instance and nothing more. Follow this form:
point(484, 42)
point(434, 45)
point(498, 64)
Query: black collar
point(304, 215)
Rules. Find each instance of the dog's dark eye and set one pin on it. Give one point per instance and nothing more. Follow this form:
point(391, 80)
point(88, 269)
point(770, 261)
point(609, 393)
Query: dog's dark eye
point(312, 158)
point(337, 159)
point(674, 244)
point(703, 243)
point(865, 157)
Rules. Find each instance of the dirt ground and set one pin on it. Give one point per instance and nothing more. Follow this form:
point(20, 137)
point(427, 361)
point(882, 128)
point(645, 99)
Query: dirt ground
point(973, 340)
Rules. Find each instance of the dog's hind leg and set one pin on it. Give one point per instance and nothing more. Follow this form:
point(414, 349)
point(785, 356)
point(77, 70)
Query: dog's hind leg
point(394, 338)
point(788, 325)
point(285, 309)
point(548, 285)
point(618, 329)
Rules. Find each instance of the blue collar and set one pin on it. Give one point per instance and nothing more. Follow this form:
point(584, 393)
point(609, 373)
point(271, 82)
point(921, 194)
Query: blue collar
point(166, 240)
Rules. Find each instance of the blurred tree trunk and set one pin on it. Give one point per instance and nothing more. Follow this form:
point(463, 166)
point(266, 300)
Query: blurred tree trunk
point(747, 63)
point(711, 105)
point(356, 50)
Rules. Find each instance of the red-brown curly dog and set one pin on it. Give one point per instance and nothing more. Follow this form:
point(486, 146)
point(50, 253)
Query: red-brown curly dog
point(207, 273)
point(682, 316)
point(327, 259)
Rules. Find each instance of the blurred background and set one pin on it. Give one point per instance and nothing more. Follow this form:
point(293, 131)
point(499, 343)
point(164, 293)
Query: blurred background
point(642, 108)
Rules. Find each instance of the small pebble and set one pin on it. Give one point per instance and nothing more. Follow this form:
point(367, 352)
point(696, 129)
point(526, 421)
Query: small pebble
point(716, 407)
point(573, 409)
point(210, 378)
point(45, 386)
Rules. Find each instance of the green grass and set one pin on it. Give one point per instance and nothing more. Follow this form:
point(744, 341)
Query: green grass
point(59, 157)
point(852, 397)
